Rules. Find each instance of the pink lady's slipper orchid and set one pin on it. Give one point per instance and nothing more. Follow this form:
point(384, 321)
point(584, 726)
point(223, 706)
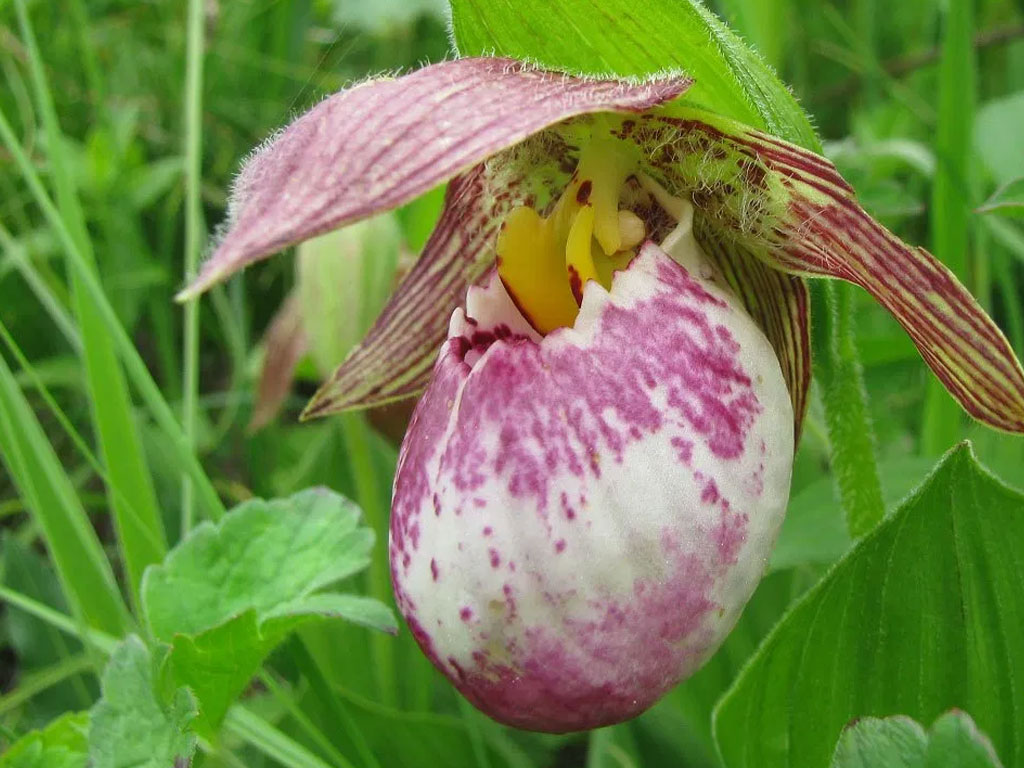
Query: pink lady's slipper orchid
point(593, 480)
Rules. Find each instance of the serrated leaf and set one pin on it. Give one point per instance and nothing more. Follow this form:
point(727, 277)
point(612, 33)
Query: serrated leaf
point(131, 727)
point(230, 593)
point(638, 37)
point(924, 615)
point(891, 742)
point(262, 555)
point(218, 664)
point(360, 610)
point(61, 744)
point(900, 742)
point(956, 742)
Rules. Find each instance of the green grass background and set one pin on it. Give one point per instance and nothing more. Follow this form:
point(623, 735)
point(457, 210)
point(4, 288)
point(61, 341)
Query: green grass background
point(123, 124)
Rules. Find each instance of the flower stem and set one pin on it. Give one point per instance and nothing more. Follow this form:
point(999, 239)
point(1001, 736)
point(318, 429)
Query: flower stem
point(838, 371)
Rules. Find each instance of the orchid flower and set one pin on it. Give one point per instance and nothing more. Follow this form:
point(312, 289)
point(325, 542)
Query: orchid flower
point(610, 328)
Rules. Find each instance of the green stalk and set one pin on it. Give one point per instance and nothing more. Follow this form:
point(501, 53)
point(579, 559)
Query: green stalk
point(193, 237)
point(133, 362)
point(951, 207)
point(303, 659)
point(248, 727)
point(838, 371)
point(358, 449)
point(1011, 301)
point(141, 536)
point(302, 720)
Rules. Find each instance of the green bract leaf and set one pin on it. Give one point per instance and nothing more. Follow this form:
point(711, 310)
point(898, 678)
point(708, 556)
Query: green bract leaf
point(61, 744)
point(637, 37)
point(261, 556)
point(227, 595)
point(899, 742)
point(131, 727)
point(924, 615)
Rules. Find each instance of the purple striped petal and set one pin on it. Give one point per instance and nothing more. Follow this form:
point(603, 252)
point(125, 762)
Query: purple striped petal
point(382, 143)
point(792, 209)
point(394, 361)
point(777, 302)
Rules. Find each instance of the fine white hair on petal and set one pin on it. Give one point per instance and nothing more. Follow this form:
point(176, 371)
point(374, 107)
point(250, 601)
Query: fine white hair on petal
point(383, 142)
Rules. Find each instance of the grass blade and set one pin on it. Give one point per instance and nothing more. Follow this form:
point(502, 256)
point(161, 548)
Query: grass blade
point(951, 206)
point(193, 236)
point(77, 554)
point(133, 362)
point(140, 535)
point(243, 724)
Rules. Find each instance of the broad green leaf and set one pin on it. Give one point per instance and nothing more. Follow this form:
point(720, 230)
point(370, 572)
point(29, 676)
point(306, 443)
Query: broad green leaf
point(262, 555)
point(956, 742)
point(899, 742)
point(230, 593)
point(998, 138)
point(925, 614)
point(131, 725)
point(218, 664)
point(61, 744)
point(637, 37)
point(891, 742)
point(814, 532)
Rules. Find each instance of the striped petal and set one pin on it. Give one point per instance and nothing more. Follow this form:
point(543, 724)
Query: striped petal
point(394, 361)
point(792, 209)
point(777, 302)
point(377, 145)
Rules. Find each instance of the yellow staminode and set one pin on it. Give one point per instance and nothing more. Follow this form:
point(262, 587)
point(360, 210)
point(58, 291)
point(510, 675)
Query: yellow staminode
point(545, 263)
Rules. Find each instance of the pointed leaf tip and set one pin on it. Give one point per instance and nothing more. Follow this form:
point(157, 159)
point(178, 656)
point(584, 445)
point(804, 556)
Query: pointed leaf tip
point(379, 144)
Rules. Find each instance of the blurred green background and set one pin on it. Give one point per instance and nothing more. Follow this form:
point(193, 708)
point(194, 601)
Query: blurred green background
point(911, 122)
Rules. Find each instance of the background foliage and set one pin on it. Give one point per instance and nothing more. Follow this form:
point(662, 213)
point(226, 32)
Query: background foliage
point(123, 124)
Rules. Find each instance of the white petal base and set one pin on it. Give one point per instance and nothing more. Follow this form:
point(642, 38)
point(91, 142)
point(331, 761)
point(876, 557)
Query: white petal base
point(578, 520)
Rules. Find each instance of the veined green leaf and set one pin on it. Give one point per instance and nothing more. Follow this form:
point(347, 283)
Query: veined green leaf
point(637, 37)
point(61, 744)
point(263, 555)
point(231, 592)
point(925, 614)
point(131, 727)
point(899, 742)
